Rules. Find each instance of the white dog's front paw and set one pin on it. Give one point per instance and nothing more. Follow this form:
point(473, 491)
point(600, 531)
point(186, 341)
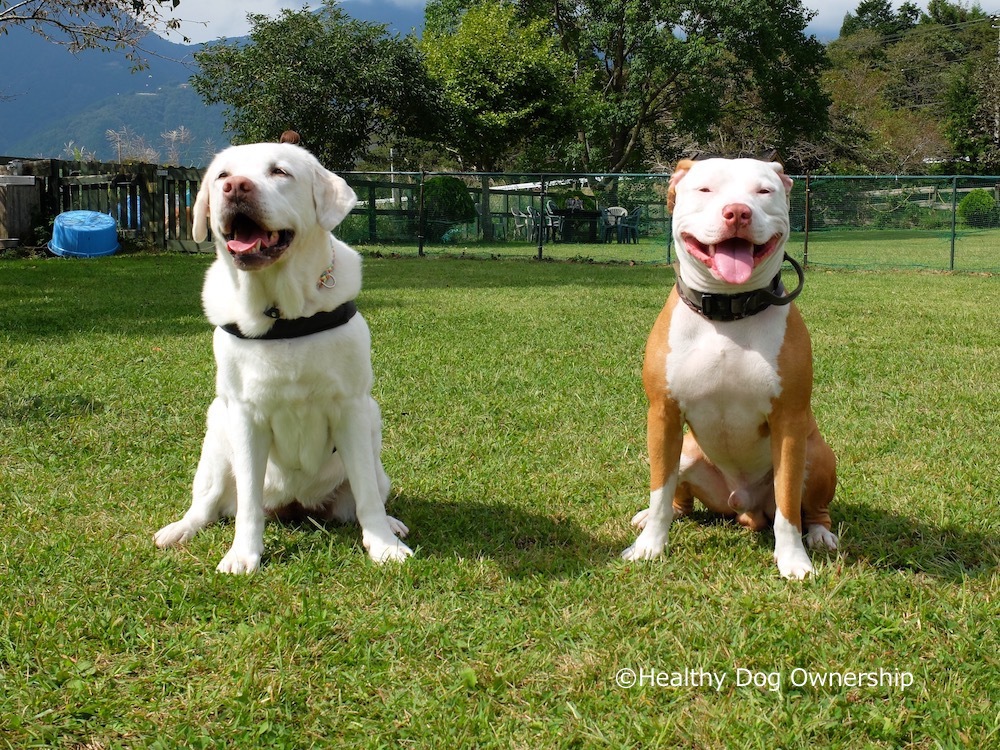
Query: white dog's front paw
point(648, 545)
point(640, 519)
point(820, 536)
point(794, 564)
point(239, 561)
point(381, 552)
point(177, 532)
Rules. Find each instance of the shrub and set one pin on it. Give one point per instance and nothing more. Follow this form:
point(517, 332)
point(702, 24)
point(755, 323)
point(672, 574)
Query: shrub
point(979, 209)
point(446, 203)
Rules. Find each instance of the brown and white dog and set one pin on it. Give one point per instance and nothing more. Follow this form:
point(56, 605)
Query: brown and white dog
point(729, 356)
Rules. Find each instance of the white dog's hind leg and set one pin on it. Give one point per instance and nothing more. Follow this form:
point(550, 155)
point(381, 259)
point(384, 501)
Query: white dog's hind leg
point(251, 444)
point(344, 507)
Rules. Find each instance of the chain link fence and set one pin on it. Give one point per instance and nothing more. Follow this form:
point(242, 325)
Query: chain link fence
point(928, 222)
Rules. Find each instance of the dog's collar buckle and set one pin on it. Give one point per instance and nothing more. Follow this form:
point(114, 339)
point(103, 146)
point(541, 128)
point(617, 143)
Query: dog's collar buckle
point(729, 307)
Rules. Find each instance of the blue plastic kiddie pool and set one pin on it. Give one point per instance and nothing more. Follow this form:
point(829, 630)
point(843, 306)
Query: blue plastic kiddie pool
point(84, 234)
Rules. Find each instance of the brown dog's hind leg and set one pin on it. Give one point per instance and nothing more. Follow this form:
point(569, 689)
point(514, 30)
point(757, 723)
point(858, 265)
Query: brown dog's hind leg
point(820, 486)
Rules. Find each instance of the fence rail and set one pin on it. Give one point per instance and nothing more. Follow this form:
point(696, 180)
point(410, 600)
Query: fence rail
point(946, 223)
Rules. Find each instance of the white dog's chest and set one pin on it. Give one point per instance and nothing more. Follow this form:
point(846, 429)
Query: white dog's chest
point(297, 397)
point(724, 378)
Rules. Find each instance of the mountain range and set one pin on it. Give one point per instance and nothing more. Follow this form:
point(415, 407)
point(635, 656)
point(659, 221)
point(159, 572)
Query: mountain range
point(54, 102)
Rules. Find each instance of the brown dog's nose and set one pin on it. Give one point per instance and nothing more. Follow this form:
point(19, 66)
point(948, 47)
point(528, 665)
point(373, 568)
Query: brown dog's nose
point(737, 215)
point(237, 187)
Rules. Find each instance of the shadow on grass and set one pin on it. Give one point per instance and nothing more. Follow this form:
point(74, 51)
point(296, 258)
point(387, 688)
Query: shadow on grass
point(884, 540)
point(522, 542)
point(887, 540)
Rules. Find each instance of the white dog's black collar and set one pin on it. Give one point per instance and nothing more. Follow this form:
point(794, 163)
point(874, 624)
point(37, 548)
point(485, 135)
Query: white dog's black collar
point(298, 327)
point(727, 307)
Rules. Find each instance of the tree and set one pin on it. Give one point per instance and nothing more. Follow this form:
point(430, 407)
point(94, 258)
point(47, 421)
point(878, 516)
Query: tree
point(667, 72)
point(949, 14)
point(878, 16)
point(175, 139)
point(659, 73)
point(506, 83)
point(92, 24)
point(342, 84)
point(925, 95)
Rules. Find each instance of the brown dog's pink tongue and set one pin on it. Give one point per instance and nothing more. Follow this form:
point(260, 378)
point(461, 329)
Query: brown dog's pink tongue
point(734, 260)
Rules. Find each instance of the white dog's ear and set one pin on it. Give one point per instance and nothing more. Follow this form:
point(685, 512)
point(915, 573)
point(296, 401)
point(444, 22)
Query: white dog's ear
point(199, 228)
point(334, 198)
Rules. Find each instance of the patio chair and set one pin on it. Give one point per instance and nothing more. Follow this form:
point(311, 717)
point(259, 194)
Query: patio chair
point(553, 223)
point(521, 221)
point(609, 221)
point(628, 227)
point(540, 223)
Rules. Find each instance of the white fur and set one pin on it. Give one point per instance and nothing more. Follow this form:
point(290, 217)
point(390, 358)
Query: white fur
point(283, 406)
point(791, 557)
point(724, 385)
point(653, 524)
point(703, 190)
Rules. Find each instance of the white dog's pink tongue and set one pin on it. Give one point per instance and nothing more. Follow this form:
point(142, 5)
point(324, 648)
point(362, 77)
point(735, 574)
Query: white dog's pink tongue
point(251, 242)
point(734, 260)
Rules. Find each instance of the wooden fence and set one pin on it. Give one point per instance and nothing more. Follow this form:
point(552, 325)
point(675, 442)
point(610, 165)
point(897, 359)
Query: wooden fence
point(146, 200)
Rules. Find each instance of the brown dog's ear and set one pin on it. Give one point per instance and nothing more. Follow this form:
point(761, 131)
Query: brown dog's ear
point(199, 226)
point(333, 196)
point(785, 179)
point(682, 169)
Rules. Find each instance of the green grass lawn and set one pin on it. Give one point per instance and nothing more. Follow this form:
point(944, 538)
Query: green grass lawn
point(514, 434)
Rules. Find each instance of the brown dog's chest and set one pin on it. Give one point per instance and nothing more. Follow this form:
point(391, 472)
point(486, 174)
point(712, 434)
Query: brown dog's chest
point(724, 379)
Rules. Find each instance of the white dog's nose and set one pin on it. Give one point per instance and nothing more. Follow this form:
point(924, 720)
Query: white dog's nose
point(237, 187)
point(737, 215)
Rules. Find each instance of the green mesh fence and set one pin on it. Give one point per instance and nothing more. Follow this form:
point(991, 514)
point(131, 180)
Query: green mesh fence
point(939, 223)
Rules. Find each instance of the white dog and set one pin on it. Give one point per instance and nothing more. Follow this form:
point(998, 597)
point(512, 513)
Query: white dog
point(293, 420)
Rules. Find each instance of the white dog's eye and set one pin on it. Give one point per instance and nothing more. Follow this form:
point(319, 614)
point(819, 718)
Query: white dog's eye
point(704, 190)
point(279, 172)
point(223, 175)
point(765, 191)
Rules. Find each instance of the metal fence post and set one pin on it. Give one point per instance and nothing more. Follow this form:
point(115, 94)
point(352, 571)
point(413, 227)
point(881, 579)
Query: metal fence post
point(421, 218)
point(805, 239)
point(954, 213)
point(541, 217)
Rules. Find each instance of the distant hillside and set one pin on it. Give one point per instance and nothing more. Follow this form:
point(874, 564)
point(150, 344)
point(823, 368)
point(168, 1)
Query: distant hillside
point(57, 98)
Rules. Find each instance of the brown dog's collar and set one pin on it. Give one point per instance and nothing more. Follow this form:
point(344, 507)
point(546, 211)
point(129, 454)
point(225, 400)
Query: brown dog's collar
point(728, 307)
point(298, 327)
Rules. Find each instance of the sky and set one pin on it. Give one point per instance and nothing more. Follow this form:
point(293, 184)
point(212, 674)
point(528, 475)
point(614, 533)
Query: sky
point(227, 18)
